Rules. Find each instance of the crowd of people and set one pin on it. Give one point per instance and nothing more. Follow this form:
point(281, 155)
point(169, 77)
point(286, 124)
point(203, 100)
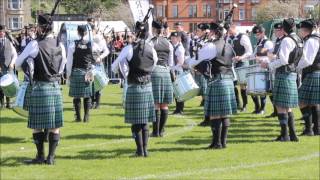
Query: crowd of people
point(150, 63)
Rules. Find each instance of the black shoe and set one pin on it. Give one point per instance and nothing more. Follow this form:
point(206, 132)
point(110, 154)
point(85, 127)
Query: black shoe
point(216, 146)
point(272, 115)
point(97, 106)
point(204, 123)
point(177, 113)
point(202, 103)
point(154, 135)
point(255, 112)
point(282, 138)
point(50, 160)
point(37, 160)
point(261, 112)
point(243, 109)
point(307, 133)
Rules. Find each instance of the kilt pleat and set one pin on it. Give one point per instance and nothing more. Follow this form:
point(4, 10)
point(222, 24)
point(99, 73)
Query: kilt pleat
point(202, 83)
point(27, 95)
point(139, 104)
point(78, 86)
point(285, 92)
point(220, 99)
point(161, 85)
point(45, 107)
point(309, 92)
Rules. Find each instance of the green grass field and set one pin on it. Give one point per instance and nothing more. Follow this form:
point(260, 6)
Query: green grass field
point(102, 149)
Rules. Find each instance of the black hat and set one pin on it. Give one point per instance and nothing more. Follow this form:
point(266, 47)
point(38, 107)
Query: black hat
point(203, 26)
point(215, 26)
point(165, 25)
point(82, 28)
point(308, 23)
point(258, 29)
point(288, 25)
point(278, 26)
point(1, 27)
point(90, 19)
point(44, 19)
point(178, 24)
point(140, 26)
point(175, 34)
point(157, 25)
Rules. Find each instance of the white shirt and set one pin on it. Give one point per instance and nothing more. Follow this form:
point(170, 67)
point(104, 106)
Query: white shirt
point(246, 43)
point(206, 53)
point(170, 60)
point(124, 57)
point(180, 53)
point(286, 47)
point(310, 50)
point(13, 54)
point(32, 50)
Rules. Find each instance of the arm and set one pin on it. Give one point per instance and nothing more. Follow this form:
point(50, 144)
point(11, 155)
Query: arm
point(105, 50)
point(170, 60)
point(180, 59)
point(246, 43)
point(14, 56)
point(287, 45)
point(155, 57)
point(310, 50)
point(71, 50)
point(208, 52)
point(31, 50)
point(64, 58)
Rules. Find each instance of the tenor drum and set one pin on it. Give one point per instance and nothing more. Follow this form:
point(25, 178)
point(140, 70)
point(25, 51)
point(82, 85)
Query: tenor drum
point(258, 83)
point(9, 84)
point(20, 107)
point(184, 87)
point(100, 78)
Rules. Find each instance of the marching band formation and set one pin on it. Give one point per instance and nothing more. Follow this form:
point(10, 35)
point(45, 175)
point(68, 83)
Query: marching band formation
point(160, 67)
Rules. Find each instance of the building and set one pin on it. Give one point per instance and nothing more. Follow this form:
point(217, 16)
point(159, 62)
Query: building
point(14, 14)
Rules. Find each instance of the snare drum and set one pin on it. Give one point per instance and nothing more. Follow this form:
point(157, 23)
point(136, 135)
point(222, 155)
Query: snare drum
point(184, 87)
point(100, 78)
point(9, 84)
point(20, 106)
point(243, 71)
point(259, 83)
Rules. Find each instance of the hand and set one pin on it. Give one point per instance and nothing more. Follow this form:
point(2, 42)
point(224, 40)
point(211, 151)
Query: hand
point(11, 66)
point(264, 65)
point(237, 58)
point(98, 60)
point(258, 59)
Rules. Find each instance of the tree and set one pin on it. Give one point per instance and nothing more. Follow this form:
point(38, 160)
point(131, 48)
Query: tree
point(87, 7)
point(275, 9)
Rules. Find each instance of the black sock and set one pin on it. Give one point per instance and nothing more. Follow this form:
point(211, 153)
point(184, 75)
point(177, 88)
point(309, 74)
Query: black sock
point(244, 98)
point(53, 143)
point(137, 134)
point(163, 120)
point(316, 120)
point(224, 131)
point(145, 138)
point(263, 100)
point(236, 92)
point(283, 120)
point(216, 123)
point(292, 131)
point(156, 124)
point(77, 108)
point(256, 103)
point(307, 117)
point(86, 106)
point(38, 139)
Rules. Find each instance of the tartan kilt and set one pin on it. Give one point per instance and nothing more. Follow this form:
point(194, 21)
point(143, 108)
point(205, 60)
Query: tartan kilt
point(27, 95)
point(161, 85)
point(309, 92)
point(201, 82)
point(220, 99)
point(78, 86)
point(45, 107)
point(139, 104)
point(285, 91)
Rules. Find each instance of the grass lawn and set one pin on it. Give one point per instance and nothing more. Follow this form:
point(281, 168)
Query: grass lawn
point(102, 149)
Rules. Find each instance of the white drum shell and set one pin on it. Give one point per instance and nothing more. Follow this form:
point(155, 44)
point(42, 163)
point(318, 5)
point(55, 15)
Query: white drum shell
point(258, 83)
point(185, 87)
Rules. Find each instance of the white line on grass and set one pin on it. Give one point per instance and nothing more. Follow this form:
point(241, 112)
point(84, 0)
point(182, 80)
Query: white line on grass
point(188, 127)
point(199, 172)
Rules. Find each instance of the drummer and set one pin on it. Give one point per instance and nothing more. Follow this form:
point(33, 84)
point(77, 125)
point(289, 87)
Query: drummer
point(264, 45)
point(309, 92)
point(45, 106)
point(279, 33)
point(243, 50)
point(79, 73)
point(178, 57)
point(100, 51)
point(161, 80)
point(285, 92)
point(137, 64)
point(8, 56)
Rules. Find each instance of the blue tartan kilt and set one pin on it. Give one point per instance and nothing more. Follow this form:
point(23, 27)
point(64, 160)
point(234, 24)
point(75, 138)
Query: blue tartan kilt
point(162, 85)
point(285, 91)
point(309, 92)
point(27, 95)
point(78, 86)
point(45, 106)
point(201, 82)
point(139, 104)
point(220, 99)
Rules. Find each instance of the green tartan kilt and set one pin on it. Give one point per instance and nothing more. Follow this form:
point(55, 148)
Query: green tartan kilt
point(162, 85)
point(309, 92)
point(201, 82)
point(45, 107)
point(27, 95)
point(78, 86)
point(220, 99)
point(285, 91)
point(139, 104)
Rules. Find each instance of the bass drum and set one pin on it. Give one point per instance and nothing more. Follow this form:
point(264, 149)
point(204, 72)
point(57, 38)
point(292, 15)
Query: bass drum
point(9, 84)
point(69, 33)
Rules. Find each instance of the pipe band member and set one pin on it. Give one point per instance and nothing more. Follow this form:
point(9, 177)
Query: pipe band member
point(285, 91)
point(220, 99)
point(243, 49)
point(8, 56)
point(279, 33)
point(309, 92)
point(264, 45)
point(139, 59)
point(160, 77)
point(178, 58)
point(45, 106)
point(79, 72)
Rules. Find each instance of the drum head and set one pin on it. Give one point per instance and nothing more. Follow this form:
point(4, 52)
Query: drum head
point(6, 80)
